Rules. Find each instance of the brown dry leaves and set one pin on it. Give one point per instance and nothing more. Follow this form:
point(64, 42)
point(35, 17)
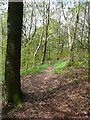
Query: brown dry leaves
point(49, 95)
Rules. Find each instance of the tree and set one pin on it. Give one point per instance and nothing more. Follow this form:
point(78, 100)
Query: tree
point(89, 39)
point(74, 36)
point(72, 40)
point(46, 37)
point(41, 37)
point(12, 65)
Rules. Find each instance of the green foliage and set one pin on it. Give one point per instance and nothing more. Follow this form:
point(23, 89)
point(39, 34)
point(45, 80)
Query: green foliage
point(81, 64)
point(65, 52)
point(25, 71)
point(40, 68)
point(3, 58)
point(53, 25)
point(60, 66)
point(81, 60)
point(37, 69)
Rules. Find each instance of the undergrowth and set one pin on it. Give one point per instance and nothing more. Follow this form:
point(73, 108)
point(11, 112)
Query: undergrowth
point(37, 69)
point(60, 66)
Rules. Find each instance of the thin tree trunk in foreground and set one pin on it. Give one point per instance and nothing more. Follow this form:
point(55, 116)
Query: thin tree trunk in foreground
point(46, 37)
point(89, 40)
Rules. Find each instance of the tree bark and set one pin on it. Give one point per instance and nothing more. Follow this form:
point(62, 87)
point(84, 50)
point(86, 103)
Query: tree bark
point(89, 41)
point(46, 37)
point(13, 52)
point(74, 37)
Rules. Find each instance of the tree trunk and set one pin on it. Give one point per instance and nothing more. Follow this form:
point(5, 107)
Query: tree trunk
point(41, 38)
point(72, 50)
point(13, 53)
point(46, 37)
point(83, 25)
point(88, 40)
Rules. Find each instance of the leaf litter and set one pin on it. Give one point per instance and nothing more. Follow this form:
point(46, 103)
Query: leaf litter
point(50, 95)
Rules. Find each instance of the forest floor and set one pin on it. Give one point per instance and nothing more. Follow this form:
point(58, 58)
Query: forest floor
point(50, 95)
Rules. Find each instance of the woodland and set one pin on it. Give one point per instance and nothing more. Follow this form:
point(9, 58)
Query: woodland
point(45, 59)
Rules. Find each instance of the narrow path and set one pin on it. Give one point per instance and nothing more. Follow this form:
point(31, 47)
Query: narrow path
point(48, 95)
point(40, 82)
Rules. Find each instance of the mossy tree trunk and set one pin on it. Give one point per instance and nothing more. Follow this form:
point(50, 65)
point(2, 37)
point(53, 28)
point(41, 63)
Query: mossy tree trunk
point(13, 52)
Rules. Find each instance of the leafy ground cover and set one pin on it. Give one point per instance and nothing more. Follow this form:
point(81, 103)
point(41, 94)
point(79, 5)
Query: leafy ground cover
point(51, 95)
point(37, 69)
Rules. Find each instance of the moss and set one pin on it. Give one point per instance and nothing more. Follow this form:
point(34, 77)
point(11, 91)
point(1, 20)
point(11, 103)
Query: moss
point(17, 100)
